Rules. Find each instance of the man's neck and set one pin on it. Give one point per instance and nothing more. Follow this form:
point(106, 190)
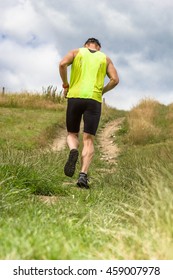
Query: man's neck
point(92, 47)
point(92, 50)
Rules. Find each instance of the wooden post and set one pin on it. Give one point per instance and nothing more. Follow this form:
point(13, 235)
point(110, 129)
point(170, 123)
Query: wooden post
point(3, 90)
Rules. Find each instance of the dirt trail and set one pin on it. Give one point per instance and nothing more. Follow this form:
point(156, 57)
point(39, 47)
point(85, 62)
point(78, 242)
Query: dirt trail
point(106, 138)
point(108, 147)
point(59, 143)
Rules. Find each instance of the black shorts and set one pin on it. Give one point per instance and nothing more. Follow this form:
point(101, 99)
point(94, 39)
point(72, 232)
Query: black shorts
point(91, 111)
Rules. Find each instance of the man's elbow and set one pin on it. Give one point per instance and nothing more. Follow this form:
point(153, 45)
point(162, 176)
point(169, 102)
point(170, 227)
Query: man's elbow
point(62, 64)
point(115, 81)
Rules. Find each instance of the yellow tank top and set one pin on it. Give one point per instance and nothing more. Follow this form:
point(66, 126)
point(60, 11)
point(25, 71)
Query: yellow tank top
point(87, 75)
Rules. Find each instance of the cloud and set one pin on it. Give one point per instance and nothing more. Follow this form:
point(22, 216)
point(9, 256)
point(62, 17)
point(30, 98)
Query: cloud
point(136, 35)
point(28, 68)
point(20, 22)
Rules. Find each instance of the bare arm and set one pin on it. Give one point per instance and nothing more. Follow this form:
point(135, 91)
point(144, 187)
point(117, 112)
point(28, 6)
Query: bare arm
point(113, 76)
point(64, 63)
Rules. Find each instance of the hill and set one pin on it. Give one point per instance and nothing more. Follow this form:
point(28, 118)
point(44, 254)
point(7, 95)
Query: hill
point(128, 211)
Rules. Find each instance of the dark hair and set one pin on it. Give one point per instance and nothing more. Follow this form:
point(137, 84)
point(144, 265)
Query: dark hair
point(93, 40)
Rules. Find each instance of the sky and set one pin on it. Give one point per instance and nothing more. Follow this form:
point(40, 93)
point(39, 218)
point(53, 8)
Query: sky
point(136, 34)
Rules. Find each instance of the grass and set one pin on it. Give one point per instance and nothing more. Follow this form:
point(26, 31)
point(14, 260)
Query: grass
point(49, 99)
point(29, 128)
point(126, 215)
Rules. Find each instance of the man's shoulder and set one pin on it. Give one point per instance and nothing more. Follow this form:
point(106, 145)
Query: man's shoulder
point(102, 53)
point(79, 51)
point(75, 51)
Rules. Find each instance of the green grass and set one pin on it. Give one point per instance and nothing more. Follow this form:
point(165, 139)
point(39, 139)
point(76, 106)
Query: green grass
point(28, 128)
point(126, 214)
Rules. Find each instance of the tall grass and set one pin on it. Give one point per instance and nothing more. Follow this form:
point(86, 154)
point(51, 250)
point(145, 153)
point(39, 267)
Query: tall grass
point(141, 123)
point(145, 172)
point(147, 214)
point(149, 122)
point(110, 221)
point(32, 100)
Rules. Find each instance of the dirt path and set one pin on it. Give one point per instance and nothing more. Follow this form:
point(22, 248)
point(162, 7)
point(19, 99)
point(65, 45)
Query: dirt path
point(59, 143)
point(109, 149)
point(106, 139)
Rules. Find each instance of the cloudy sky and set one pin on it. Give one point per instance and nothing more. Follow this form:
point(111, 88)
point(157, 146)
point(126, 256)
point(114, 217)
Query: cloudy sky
point(136, 34)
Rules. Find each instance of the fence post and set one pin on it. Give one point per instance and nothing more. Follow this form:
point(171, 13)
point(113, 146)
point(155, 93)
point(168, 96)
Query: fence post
point(3, 90)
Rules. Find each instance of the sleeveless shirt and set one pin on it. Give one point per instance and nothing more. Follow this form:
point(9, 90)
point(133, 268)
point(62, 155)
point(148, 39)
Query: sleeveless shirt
point(88, 71)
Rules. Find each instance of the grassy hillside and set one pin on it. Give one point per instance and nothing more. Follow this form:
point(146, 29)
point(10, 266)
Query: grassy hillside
point(126, 214)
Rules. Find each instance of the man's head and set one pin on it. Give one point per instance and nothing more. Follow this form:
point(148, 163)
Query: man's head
point(93, 41)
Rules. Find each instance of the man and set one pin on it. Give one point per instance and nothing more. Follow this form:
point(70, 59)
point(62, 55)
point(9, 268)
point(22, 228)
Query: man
point(84, 93)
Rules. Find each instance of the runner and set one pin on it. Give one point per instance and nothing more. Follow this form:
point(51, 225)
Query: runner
point(89, 66)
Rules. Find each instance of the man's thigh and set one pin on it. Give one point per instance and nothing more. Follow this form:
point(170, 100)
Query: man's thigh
point(75, 109)
point(92, 116)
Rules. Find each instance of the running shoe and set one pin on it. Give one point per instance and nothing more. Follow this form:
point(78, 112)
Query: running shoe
point(70, 165)
point(83, 181)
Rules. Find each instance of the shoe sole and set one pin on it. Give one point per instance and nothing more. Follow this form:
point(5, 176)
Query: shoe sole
point(70, 165)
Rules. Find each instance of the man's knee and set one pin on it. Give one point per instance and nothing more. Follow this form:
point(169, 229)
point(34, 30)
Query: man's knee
point(88, 137)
